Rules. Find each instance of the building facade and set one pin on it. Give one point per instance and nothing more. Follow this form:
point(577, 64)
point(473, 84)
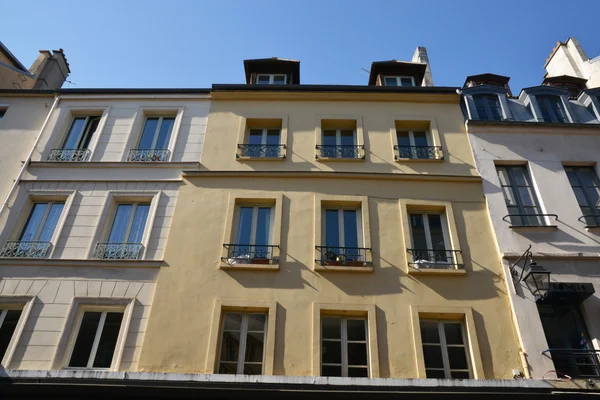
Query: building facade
point(570, 59)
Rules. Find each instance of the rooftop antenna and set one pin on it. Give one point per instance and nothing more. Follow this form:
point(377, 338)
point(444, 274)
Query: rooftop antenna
point(365, 70)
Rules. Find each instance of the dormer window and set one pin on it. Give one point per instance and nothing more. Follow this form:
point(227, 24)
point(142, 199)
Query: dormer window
point(488, 107)
point(271, 79)
point(399, 81)
point(552, 109)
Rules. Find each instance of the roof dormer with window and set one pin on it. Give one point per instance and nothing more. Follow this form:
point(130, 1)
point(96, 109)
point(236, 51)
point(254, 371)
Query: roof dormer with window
point(548, 104)
point(486, 97)
point(397, 73)
point(272, 71)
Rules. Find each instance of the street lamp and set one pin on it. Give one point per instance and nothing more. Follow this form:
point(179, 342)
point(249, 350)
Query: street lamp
point(537, 280)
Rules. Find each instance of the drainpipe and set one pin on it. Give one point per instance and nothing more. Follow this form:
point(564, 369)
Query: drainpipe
point(28, 159)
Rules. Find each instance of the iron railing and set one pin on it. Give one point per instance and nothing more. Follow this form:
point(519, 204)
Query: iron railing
point(261, 150)
point(344, 256)
point(590, 220)
point(68, 155)
point(250, 254)
point(356, 152)
point(576, 363)
point(118, 251)
point(148, 155)
point(419, 152)
point(531, 220)
point(22, 249)
point(436, 259)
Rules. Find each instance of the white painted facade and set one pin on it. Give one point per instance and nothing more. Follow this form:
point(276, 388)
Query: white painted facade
point(52, 290)
point(569, 58)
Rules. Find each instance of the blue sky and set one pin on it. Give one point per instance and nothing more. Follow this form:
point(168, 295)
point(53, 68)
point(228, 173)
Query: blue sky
point(178, 43)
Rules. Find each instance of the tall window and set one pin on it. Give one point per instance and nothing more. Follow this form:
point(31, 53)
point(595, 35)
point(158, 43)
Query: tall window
point(342, 235)
point(41, 222)
point(429, 239)
point(445, 350)
point(344, 347)
point(80, 132)
point(129, 223)
point(156, 133)
point(95, 339)
point(552, 108)
point(263, 143)
point(521, 201)
point(242, 343)
point(399, 81)
point(586, 187)
point(414, 144)
point(488, 107)
point(271, 79)
point(339, 143)
point(8, 323)
point(253, 232)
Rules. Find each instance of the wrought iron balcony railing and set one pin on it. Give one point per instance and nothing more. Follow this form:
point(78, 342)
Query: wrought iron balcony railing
point(250, 254)
point(118, 251)
point(350, 152)
point(19, 249)
point(261, 150)
point(435, 259)
point(590, 220)
point(68, 155)
point(419, 152)
point(576, 363)
point(148, 155)
point(344, 256)
point(529, 220)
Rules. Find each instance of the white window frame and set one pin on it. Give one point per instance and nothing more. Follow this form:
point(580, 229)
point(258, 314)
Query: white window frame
point(545, 101)
point(411, 137)
point(263, 140)
point(156, 131)
point(92, 356)
point(338, 136)
point(341, 232)
point(344, 343)
point(444, 347)
point(399, 79)
point(135, 205)
point(243, 339)
point(44, 218)
point(254, 226)
point(86, 130)
point(271, 79)
point(444, 222)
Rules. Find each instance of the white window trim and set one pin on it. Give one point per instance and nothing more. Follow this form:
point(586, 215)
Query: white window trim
point(254, 226)
point(344, 343)
point(25, 303)
point(135, 205)
point(156, 131)
point(338, 136)
point(487, 107)
point(44, 218)
point(243, 340)
point(86, 129)
point(445, 235)
point(411, 137)
point(263, 139)
point(341, 232)
point(444, 347)
point(399, 79)
point(271, 78)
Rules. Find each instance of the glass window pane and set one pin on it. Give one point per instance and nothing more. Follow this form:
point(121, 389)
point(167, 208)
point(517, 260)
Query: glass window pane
point(420, 138)
point(503, 176)
point(430, 332)
point(51, 221)
point(588, 177)
point(331, 328)
point(581, 200)
point(256, 322)
point(357, 354)
point(358, 372)
point(403, 138)
point(273, 136)
point(148, 133)
point(263, 223)
point(108, 340)
point(255, 136)
point(139, 223)
point(453, 332)
point(119, 227)
point(245, 226)
point(331, 352)
point(89, 132)
point(527, 197)
point(85, 339)
point(75, 132)
point(572, 175)
point(356, 329)
point(7, 329)
point(418, 231)
point(391, 81)
point(437, 236)
point(520, 176)
point(33, 222)
point(332, 230)
point(254, 347)
point(228, 368)
point(328, 370)
point(263, 79)
point(406, 82)
point(347, 137)
point(459, 374)
point(329, 137)
point(232, 322)
point(435, 374)
point(594, 196)
point(433, 356)
point(279, 79)
point(164, 134)
point(509, 196)
point(457, 358)
point(253, 369)
point(350, 229)
point(230, 346)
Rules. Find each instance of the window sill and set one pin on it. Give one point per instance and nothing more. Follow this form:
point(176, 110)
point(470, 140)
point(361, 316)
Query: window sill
point(334, 268)
point(280, 158)
point(250, 266)
point(339, 159)
point(419, 160)
point(436, 271)
point(534, 228)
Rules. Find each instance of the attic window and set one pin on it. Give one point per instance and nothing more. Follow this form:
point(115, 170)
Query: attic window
point(271, 79)
point(399, 81)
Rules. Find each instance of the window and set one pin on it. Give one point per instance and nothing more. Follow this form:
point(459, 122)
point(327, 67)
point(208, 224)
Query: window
point(242, 343)
point(414, 144)
point(445, 350)
point(9, 318)
point(263, 143)
point(339, 143)
point(399, 81)
point(343, 239)
point(488, 107)
point(126, 233)
point(253, 233)
point(80, 132)
point(271, 79)
point(521, 201)
point(586, 187)
point(95, 339)
point(2, 112)
point(430, 240)
point(552, 109)
point(154, 142)
point(344, 347)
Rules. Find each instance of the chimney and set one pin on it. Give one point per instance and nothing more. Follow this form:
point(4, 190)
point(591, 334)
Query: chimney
point(420, 56)
point(50, 69)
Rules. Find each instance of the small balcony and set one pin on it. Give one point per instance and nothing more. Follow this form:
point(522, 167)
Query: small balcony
point(261, 151)
point(591, 221)
point(575, 363)
point(344, 256)
point(19, 249)
point(148, 155)
point(425, 259)
point(250, 254)
point(419, 153)
point(532, 221)
point(118, 251)
point(345, 153)
point(68, 155)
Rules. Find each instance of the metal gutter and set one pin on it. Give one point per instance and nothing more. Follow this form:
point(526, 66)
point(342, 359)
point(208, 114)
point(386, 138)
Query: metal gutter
point(335, 88)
